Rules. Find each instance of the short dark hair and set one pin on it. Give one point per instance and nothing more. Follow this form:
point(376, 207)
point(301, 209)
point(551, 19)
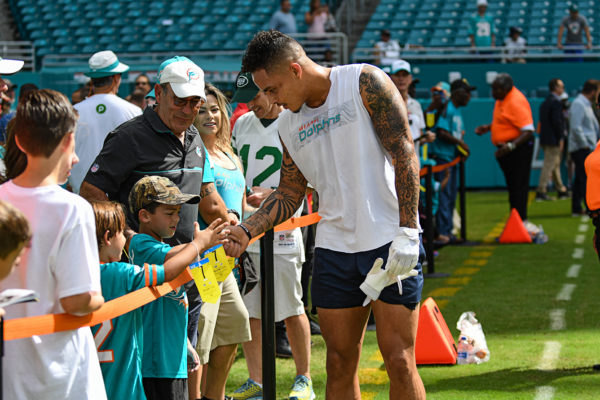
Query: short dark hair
point(590, 86)
point(104, 81)
point(553, 84)
point(14, 229)
point(42, 120)
point(504, 81)
point(268, 49)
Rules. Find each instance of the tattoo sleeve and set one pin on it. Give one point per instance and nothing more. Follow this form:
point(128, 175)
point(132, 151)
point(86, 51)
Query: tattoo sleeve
point(390, 120)
point(283, 202)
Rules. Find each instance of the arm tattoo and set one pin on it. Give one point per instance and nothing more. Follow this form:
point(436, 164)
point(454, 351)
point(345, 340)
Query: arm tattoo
point(283, 202)
point(206, 189)
point(390, 120)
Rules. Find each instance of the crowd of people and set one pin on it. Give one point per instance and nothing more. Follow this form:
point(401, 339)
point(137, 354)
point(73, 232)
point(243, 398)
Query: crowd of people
point(109, 195)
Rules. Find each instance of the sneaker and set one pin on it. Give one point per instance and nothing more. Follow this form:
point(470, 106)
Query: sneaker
point(302, 389)
point(282, 344)
point(542, 197)
point(315, 329)
point(250, 390)
point(563, 195)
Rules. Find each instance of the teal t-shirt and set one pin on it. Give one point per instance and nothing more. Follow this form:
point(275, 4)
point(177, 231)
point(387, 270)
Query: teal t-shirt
point(451, 121)
point(482, 28)
point(165, 319)
point(120, 340)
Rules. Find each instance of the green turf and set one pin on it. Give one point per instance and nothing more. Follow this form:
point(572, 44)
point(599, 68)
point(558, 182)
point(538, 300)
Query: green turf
point(512, 296)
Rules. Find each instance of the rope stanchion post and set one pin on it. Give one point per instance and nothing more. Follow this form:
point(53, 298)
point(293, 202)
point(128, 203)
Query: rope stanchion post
point(429, 250)
point(463, 200)
point(267, 306)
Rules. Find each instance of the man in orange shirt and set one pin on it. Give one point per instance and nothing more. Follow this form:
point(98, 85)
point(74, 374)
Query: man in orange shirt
point(592, 194)
point(512, 133)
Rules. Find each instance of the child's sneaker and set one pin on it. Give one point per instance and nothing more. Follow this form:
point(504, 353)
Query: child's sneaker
point(250, 390)
point(302, 389)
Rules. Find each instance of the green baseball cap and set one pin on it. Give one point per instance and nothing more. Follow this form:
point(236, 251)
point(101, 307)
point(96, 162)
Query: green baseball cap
point(245, 88)
point(157, 189)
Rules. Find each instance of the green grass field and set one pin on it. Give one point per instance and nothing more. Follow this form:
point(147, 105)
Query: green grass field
point(512, 288)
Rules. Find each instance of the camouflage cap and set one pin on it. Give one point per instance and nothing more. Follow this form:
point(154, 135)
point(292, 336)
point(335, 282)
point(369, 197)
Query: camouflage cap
point(157, 189)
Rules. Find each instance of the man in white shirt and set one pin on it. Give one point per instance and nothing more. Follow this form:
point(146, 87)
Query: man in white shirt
point(387, 49)
point(346, 132)
point(100, 113)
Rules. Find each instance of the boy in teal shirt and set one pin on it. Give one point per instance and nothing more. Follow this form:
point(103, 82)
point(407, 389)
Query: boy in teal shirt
point(156, 202)
point(482, 31)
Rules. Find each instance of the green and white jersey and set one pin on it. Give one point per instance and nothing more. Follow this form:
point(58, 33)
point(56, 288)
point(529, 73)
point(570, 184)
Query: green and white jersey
point(260, 150)
point(119, 341)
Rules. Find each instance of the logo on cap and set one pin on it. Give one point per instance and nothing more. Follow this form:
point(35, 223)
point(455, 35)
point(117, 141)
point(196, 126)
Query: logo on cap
point(241, 81)
point(192, 75)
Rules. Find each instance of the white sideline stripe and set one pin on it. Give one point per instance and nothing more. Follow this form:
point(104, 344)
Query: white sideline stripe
point(579, 239)
point(557, 319)
point(566, 292)
point(549, 356)
point(573, 271)
point(578, 252)
point(583, 227)
point(544, 393)
point(585, 219)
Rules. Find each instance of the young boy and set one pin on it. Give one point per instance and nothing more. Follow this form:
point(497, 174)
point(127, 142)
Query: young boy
point(119, 340)
point(61, 264)
point(156, 201)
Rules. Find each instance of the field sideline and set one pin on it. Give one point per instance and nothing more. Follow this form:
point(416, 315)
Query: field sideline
point(538, 305)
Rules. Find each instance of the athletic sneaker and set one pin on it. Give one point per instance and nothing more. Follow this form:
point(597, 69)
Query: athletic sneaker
point(250, 390)
point(302, 389)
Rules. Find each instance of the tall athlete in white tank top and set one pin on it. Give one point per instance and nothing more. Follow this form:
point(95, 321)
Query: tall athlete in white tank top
point(346, 131)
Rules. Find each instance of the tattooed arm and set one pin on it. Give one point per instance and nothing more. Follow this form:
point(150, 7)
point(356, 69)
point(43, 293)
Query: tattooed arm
point(212, 205)
point(388, 114)
point(277, 208)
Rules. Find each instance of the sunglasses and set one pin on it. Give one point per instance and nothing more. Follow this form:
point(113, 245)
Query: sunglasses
point(142, 83)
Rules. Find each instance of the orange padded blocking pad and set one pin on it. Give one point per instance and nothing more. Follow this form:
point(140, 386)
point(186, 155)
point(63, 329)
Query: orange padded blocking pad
point(434, 344)
point(514, 230)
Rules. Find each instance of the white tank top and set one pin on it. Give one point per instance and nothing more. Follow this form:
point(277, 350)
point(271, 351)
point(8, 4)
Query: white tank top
point(337, 150)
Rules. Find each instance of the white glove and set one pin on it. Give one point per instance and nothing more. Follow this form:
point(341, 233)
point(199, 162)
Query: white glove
point(404, 252)
point(378, 279)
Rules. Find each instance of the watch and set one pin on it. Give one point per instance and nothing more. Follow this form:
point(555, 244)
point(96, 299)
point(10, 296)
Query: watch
point(511, 146)
point(234, 212)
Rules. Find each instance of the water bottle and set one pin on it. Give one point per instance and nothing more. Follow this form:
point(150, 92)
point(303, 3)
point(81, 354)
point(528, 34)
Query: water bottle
point(464, 348)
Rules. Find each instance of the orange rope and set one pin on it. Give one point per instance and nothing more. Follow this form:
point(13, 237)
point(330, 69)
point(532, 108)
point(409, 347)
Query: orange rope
point(441, 167)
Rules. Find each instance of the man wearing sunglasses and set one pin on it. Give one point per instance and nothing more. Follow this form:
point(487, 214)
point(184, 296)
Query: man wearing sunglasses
point(101, 112)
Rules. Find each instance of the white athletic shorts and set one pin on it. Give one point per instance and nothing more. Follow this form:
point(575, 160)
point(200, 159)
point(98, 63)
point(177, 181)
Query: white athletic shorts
point(288, 289)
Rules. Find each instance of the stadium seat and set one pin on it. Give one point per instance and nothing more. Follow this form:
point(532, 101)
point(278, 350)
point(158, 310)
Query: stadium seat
point(69, 49)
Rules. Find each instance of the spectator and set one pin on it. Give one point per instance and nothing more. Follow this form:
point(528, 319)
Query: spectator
point(364, 143)
point(254, 133)
point(8, 95)
point(137, 98)
point(316, 17)
point(387, 50)
point(16, 234)
point(142, 83)
point(552, 129)
point(450, 133)
point(25, 89)
point(584, 133)
point(515, 46)
point(149, 99)
point(482, 31)
point(440, 94)
point(61, 264)
point(283, 20)
point(512, 133)
point(100, 113)
point(223, 325)
point(575, 24)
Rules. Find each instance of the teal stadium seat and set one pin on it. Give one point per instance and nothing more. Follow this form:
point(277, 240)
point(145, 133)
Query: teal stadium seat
point(69, 49)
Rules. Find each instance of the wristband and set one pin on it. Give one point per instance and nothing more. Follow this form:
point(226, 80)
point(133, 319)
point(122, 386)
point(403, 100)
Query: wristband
point(234, 212)
point(197, 249)
point(246, 231)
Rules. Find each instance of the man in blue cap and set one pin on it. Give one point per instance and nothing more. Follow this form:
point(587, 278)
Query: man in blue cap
point(100, 113)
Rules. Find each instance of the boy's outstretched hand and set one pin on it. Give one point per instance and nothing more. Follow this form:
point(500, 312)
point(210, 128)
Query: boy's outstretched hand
point(216, 233)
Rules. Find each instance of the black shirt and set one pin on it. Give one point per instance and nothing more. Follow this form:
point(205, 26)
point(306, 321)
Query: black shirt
point(145, 146)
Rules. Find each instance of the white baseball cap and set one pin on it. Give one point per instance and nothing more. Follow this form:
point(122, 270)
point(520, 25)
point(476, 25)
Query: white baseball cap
point(400, 65)
point(105, 63)
point(185, 77)
point(482, 3)
point(9, 67)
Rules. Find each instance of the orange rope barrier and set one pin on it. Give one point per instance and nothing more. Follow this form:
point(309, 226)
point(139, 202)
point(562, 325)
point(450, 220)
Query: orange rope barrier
point(51, 323)
point(441, 167)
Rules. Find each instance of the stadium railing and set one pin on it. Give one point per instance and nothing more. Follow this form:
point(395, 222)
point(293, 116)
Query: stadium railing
point(500, 54)
point(19, 51)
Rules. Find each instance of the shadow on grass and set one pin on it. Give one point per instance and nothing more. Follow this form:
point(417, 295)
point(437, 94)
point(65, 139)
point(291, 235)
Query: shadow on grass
point(510, 379)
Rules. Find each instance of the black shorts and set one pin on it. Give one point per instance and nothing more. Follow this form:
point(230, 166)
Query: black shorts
point(337, 278)
point(165, 388)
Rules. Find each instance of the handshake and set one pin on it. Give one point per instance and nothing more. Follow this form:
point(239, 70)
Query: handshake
point(402, 258)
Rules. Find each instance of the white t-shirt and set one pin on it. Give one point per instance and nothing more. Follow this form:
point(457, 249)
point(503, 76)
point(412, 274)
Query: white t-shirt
point(336, 148)
point(415, 117)
point(388, 51)
point(261, 153)
point(62, 261)
point(98, 116)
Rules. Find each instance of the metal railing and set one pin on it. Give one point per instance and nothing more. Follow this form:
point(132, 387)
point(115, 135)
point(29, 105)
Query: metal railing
point(19, 51)
point(456, 54)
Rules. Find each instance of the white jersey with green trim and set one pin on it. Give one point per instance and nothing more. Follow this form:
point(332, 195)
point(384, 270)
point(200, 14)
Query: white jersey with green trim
point(260, 150)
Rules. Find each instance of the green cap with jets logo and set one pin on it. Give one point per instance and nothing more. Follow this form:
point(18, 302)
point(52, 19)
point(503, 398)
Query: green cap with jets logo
point(245, 88)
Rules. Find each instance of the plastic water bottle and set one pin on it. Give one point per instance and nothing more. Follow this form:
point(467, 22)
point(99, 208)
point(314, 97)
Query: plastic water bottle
point(464, 348)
